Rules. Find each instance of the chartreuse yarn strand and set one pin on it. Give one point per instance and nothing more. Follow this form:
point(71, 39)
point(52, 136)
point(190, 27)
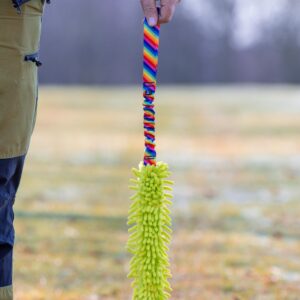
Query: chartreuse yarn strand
point(149, 214)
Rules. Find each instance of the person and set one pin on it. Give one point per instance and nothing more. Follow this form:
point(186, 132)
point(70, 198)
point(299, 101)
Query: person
point(20, 30)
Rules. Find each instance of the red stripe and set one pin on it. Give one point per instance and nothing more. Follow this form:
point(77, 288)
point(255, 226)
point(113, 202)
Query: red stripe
point(149, 161)
point(151, 146)
point(152, 59)
point(148, 115)
point(147, 79)
point(150, 125)
point(149, 134)
point(151, 40)
point(150, 63)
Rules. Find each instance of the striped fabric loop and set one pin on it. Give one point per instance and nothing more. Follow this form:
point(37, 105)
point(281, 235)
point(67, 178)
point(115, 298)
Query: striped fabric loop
point(151, 45)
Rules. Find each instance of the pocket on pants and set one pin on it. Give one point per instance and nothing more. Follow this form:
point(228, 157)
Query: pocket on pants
point(33, 58)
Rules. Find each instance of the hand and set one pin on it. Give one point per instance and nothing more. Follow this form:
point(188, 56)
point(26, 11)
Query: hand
point(167, 11)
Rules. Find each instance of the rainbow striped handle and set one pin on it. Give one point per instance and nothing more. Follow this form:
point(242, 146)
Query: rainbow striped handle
point(151, 45)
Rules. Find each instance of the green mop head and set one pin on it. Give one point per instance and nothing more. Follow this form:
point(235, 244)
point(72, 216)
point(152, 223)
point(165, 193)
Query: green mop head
point(150, 233)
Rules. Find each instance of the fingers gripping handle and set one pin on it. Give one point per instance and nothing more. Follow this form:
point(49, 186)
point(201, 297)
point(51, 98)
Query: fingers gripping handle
point(151, 46)
point(158, 6)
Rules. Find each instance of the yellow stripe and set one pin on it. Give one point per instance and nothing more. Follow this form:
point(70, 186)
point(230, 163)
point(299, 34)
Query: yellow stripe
point(149, 78)
point(146, 50)
point(151, 58)
point(153, 36)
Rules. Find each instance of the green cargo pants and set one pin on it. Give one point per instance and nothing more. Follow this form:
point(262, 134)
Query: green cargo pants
point(20, 29)
point(19, 46)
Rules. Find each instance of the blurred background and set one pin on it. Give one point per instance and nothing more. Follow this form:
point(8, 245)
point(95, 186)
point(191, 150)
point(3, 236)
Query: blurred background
point(227, 123)
point(231, 41)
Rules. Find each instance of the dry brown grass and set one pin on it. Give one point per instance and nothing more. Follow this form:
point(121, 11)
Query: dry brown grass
point(235, 158)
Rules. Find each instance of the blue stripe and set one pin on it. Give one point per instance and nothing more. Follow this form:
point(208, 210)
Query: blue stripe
point(152, 29)
point(149, 128)
point(146, 67)
point(149, 119)
point(148, 102)
point(148, 46)
point(151, 152)
point(149, 110)
point(150, 139)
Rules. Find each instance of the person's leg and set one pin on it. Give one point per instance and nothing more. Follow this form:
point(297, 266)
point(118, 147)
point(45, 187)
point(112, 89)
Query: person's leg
point(10, 177)
point(6, 291)
point(19, 46)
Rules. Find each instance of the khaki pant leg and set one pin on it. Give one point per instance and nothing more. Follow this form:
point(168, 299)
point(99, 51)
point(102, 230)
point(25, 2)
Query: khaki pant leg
point(19, 37)
point(6, 293)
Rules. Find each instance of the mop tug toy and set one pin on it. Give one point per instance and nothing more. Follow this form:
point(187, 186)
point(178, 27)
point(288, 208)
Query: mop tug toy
point(149, 215)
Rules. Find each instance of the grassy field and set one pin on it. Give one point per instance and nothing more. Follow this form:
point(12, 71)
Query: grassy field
point(235, 157)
